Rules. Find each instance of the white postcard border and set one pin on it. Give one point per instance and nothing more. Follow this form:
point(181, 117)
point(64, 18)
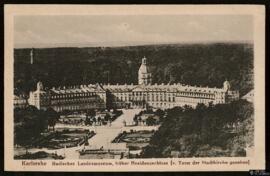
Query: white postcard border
point(258, 13)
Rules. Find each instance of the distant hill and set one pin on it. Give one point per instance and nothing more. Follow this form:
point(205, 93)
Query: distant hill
point(194, 64)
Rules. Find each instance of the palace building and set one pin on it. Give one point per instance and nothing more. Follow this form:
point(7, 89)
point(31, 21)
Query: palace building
point(144, 94)
point(20, 101)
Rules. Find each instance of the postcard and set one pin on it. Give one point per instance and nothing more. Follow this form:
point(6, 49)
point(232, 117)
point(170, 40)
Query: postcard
point(134, 88)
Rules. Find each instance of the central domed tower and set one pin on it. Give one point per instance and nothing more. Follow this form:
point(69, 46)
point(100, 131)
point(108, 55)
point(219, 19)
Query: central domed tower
point(144, 75)
point(226, 86)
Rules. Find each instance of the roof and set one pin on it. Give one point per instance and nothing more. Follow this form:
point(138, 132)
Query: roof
point(78, 89)
point(161, 88)
point(135, 88)
point(249, 95)
point(119, 88)
point(143, 69)
point(40, 92)
point(19, 97)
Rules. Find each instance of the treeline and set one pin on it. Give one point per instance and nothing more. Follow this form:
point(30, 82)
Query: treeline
point(222, 130)
point(193, 64)
point(30, 122)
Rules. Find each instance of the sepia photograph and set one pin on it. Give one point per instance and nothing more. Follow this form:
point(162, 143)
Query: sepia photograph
point(127, 86)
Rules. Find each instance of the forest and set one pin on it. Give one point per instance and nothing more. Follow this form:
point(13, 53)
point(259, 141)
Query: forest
point(222, 130)
point(207, 64)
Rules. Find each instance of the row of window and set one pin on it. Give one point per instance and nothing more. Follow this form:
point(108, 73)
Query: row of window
point(203, 95)
point(77, 99)
point(78, 107)
point(167, 105)
point(163, 95)
point(20, 101)
point(192, 100)
point(75, 95)
point(89, 101)
point(142, 94)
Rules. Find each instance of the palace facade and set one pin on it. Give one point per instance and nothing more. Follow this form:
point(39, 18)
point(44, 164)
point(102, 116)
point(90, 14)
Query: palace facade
point(144, 94)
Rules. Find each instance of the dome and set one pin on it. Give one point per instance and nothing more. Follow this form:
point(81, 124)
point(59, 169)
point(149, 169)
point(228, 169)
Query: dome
point(143, 68)
point(39, 86)
point(226, 85)
point(144, 75)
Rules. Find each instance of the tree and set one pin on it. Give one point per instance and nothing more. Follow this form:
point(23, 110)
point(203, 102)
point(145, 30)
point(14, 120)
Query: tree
point(99, 120)
point(94, 120)
point(90, 113)
point(201, 107)
point(187, 108)
point(159, 113)
point(53, 117)
point(87, 121)
point(135, 119)
point(107, 117)
point(150, 121)
point(200, 132)
point(139, 119)
point(208, 64)
point(28, 124)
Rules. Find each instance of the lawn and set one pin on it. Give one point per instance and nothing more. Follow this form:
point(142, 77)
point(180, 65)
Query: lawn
point(135, 140)
point(65, 138)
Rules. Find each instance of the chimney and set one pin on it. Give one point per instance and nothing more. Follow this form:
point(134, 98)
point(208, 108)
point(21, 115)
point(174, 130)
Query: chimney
point(31, 56)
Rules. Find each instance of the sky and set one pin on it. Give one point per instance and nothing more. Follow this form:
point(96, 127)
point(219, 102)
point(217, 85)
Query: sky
point(116, 30)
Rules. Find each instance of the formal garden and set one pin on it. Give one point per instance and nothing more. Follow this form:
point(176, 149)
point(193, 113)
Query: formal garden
point(64, 137)
point(135, 140)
